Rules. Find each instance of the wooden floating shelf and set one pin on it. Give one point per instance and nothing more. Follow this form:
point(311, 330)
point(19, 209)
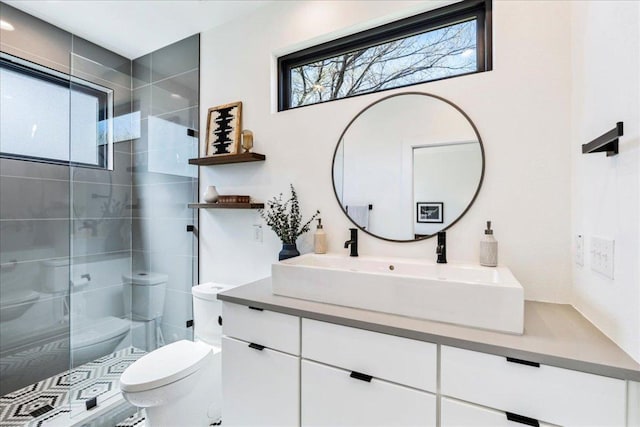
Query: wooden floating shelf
point(226, 205)
point(223, 160)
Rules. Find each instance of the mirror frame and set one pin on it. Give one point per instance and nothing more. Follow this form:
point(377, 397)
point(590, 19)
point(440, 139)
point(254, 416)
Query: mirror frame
point(473, 199)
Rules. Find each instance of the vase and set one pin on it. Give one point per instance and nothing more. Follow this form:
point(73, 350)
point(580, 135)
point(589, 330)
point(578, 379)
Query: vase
point(211, 195)
point(289, 250)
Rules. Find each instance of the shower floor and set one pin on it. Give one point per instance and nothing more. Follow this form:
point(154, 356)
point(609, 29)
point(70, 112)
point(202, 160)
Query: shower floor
point(60, 399)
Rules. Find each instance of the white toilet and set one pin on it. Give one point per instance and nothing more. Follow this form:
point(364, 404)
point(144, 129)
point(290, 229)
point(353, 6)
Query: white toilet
point(91, 337)
point(144, 294)
point(179, 384)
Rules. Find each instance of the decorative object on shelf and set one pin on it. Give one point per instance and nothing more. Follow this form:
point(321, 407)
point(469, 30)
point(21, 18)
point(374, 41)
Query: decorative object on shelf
point(430, 212)
point(247, 140)
point(211, 194)
point(224, 124)
point(233, 198)
point(607, 142)
point(285, 220)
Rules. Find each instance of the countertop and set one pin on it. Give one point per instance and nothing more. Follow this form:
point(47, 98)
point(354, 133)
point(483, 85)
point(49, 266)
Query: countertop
point(554, 334)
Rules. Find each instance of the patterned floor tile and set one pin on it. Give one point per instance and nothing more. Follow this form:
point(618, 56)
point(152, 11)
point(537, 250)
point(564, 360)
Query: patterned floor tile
point(27, 406)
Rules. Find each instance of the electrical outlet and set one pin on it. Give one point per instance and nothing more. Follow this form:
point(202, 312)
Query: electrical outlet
point(257, 233)
point(602, 256)
point(580, 249)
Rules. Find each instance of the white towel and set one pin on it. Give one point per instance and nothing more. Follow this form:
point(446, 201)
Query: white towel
point(359, 215)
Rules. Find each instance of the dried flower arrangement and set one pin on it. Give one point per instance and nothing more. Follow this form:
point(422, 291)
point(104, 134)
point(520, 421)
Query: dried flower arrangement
point(284, 217)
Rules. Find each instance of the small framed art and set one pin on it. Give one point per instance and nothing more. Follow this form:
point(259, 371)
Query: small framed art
point(224, 127)
point(430, 212)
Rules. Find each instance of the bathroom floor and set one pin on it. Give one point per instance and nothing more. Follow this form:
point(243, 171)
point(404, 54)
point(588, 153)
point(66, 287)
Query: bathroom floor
point(50, 401)
point(137, 420)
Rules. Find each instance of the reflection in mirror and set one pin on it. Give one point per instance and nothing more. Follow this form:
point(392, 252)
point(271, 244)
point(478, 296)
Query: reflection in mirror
point(408, 166)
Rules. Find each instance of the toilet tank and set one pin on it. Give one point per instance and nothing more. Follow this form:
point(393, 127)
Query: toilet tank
point(206, 311)
point(55, 275)
point(144, 294)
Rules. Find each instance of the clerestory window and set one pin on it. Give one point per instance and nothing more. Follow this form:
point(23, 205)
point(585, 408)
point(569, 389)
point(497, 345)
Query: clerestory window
point(447, 42)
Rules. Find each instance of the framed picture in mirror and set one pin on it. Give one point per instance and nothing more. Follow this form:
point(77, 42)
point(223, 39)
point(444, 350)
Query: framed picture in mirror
point(432, 212)
point(224, 127)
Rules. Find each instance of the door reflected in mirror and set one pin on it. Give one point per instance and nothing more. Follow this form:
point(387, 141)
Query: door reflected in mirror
point(408, 166)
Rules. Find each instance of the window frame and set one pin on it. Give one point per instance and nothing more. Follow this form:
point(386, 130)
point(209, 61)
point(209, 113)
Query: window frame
point(72, 83)
point(417, 24)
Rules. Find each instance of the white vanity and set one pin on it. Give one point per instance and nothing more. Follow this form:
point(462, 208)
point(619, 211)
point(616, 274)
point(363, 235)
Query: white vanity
point(291, 362)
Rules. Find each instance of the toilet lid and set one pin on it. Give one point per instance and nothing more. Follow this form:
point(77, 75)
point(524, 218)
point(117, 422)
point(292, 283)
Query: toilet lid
point(165, 365)
point(18, 296)
point(86, 331)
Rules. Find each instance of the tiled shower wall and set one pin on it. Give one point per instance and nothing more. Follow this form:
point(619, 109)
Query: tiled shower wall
point(42, 205)
point(165, 91)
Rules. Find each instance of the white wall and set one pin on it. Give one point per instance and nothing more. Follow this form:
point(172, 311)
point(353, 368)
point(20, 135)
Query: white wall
point(521, 109)
point(606, 190)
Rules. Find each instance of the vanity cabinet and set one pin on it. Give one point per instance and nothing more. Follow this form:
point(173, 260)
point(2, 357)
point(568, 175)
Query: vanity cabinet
point(352, 377)
point(554, 395)
point(261, 367)
point(333, 397)
point(283, 370)
point(454, 413)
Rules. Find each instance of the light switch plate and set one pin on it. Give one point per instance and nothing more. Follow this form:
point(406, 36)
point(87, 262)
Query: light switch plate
point(580, 250)
point(602, 252)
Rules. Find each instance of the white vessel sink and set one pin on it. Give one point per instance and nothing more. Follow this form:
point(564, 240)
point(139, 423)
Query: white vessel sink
point(469, 295)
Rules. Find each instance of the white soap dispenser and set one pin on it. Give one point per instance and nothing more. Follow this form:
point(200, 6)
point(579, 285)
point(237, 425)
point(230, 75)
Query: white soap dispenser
point(320, 239)
point(489, 248)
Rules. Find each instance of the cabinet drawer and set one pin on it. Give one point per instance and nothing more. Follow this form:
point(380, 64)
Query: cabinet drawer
point(555, 395)
point(270, 329)
point(462, 414)
point(391, 358)
point(260, 387)
point(330, 397)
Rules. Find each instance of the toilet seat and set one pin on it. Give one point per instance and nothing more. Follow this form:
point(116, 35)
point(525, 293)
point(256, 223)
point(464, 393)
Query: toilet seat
point(165, 365)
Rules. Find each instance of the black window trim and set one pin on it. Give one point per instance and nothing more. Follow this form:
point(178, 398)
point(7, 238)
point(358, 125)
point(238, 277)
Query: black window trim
point(50, 75)
point(430, 20)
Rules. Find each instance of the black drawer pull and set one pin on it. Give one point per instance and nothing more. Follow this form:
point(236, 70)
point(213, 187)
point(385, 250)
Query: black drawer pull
point(220, 320)
point(256, 346)
point(523, 362)
point(522, 419)
point(256, 308)
point(361, 377)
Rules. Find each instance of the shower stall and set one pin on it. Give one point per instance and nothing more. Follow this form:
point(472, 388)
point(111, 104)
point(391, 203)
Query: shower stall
point(96, 263)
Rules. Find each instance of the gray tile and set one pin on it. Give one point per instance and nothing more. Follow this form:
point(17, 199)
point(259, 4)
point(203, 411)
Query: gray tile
point(120, 175)
point(122, 101)
point(123, 147)
point(165, 235)
point(178, 308)
point(187, 117)
point(33, 240)
point(99, 55)
point(25, 198)
point(175, 93)
point(141, 71)
point(36, 40)
point(97, 201)
point(179, 270)
point(141, 101)
point(29, 169)
point(112, 235)
point(176, 58)
point(168, 200)
point(141, 260)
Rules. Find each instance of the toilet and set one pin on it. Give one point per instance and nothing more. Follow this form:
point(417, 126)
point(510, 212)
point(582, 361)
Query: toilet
point(91, 337)
point(143, 295)
point(179, 384)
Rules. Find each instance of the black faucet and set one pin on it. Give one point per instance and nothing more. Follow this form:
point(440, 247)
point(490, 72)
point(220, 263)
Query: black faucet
point(441, 250)
point(353, 242)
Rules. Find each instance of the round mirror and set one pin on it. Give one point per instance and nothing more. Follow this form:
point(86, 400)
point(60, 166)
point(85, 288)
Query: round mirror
point(408, 166)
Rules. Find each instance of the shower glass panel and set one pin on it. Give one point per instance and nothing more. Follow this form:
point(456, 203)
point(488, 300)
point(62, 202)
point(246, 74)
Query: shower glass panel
point(100, 238)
